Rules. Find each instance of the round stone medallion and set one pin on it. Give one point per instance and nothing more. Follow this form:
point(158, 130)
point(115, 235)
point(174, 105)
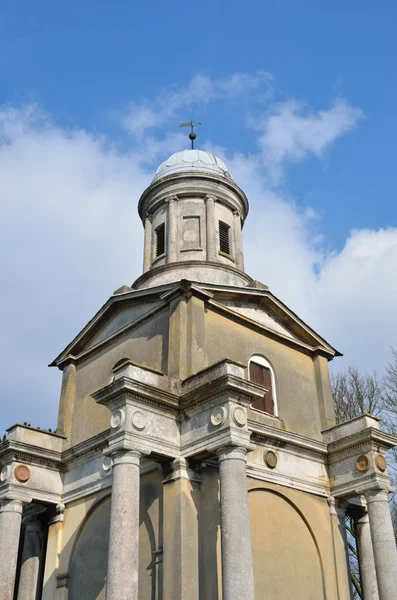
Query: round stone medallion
point(381, 462)
point(270, 459)
point(5, 473)
point(22, 473)
point(117, 419)
point(239, 416)
point(363, 463)
point(138, 420)
point(106, 466)
point(218, 416)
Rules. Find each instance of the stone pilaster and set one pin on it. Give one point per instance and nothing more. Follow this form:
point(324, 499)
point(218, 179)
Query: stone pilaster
point(342, 572)
point(31, 565)
point(181, 535)
point(10, 530)
point(237, 570)
point(383, 542)
point(210, 226)
point(54, 546)
point(238, 242)
point(366, 558)
point(66, 402)
point(147, 248)
point(123, 560)
point(172, 234)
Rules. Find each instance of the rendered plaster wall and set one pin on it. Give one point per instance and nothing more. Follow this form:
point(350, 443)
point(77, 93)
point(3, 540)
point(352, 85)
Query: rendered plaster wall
point(146, 345)
point(85, 539)
point(296, 386)
point(292, 545)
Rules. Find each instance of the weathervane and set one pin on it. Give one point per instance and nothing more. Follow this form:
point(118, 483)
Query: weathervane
point(192, 125)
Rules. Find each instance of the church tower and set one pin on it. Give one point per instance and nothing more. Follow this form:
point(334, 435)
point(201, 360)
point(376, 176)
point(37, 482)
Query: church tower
point(196, 455)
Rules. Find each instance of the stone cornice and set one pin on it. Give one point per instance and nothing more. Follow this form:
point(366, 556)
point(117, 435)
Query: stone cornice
point(30, 454)
point(223, 189)
point(83, 451)
point(130, 388)
point(358, 441)
point(265, 433)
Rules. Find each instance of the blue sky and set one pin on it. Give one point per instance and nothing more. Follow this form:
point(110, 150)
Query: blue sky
point(299, 99)
point(84, 61)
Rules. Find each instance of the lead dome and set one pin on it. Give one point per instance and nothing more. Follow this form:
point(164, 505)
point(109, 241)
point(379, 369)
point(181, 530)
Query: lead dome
point(192, 161)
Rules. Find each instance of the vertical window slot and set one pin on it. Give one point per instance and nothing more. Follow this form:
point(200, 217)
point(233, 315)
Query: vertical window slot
point(160, 239)
point(224, 241)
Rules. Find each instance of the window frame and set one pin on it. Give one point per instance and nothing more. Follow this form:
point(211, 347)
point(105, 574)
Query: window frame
point(263, 362)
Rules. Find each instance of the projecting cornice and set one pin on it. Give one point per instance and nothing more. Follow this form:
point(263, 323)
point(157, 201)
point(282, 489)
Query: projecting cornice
point(140, 306)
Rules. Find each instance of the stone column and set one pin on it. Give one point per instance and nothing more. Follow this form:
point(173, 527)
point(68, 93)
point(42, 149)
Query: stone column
point(172, 254)
point(366, 558)
point(10, 530)
point(210, 227)
point(147, 252)
point(123, 560)
point(383, 542)
point(29, 577)
point(238, 242)
point(237, 571)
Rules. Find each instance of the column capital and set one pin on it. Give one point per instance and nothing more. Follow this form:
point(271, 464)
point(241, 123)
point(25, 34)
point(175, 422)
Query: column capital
point(126, 457)
point(337, 506)
point(209, 198)
point(232, 453)
point(59, 514)
point(180, 469)
point(173, 198)
point(13, 506)
point(377, 495)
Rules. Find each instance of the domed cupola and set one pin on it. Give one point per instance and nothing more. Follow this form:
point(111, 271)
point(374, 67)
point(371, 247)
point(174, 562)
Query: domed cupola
point(192, 161)
point(193, 213)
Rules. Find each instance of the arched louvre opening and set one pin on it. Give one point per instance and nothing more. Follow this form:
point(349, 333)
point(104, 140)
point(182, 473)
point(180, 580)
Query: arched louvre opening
point(260, 372)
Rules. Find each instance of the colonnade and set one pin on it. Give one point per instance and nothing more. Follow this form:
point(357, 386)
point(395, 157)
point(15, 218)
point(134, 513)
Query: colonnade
point(375, 536)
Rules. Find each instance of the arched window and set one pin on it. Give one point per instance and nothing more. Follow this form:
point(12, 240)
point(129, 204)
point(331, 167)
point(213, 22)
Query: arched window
point(261, 372)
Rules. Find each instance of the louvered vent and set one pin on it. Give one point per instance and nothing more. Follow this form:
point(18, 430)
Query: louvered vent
point(160, 239)
point(224, 244)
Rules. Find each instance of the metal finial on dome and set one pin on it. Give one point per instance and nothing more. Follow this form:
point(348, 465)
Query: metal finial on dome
point(192, 125)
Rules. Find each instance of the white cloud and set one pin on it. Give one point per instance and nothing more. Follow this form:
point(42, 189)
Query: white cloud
point(200, 91)
point(71, 235)
point(290, 132)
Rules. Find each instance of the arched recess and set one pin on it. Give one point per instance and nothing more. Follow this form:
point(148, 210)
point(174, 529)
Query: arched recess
point(88, 563)
point(286, 558)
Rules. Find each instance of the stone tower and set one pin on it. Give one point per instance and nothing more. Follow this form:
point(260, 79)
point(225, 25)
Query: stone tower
point(196, 455)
